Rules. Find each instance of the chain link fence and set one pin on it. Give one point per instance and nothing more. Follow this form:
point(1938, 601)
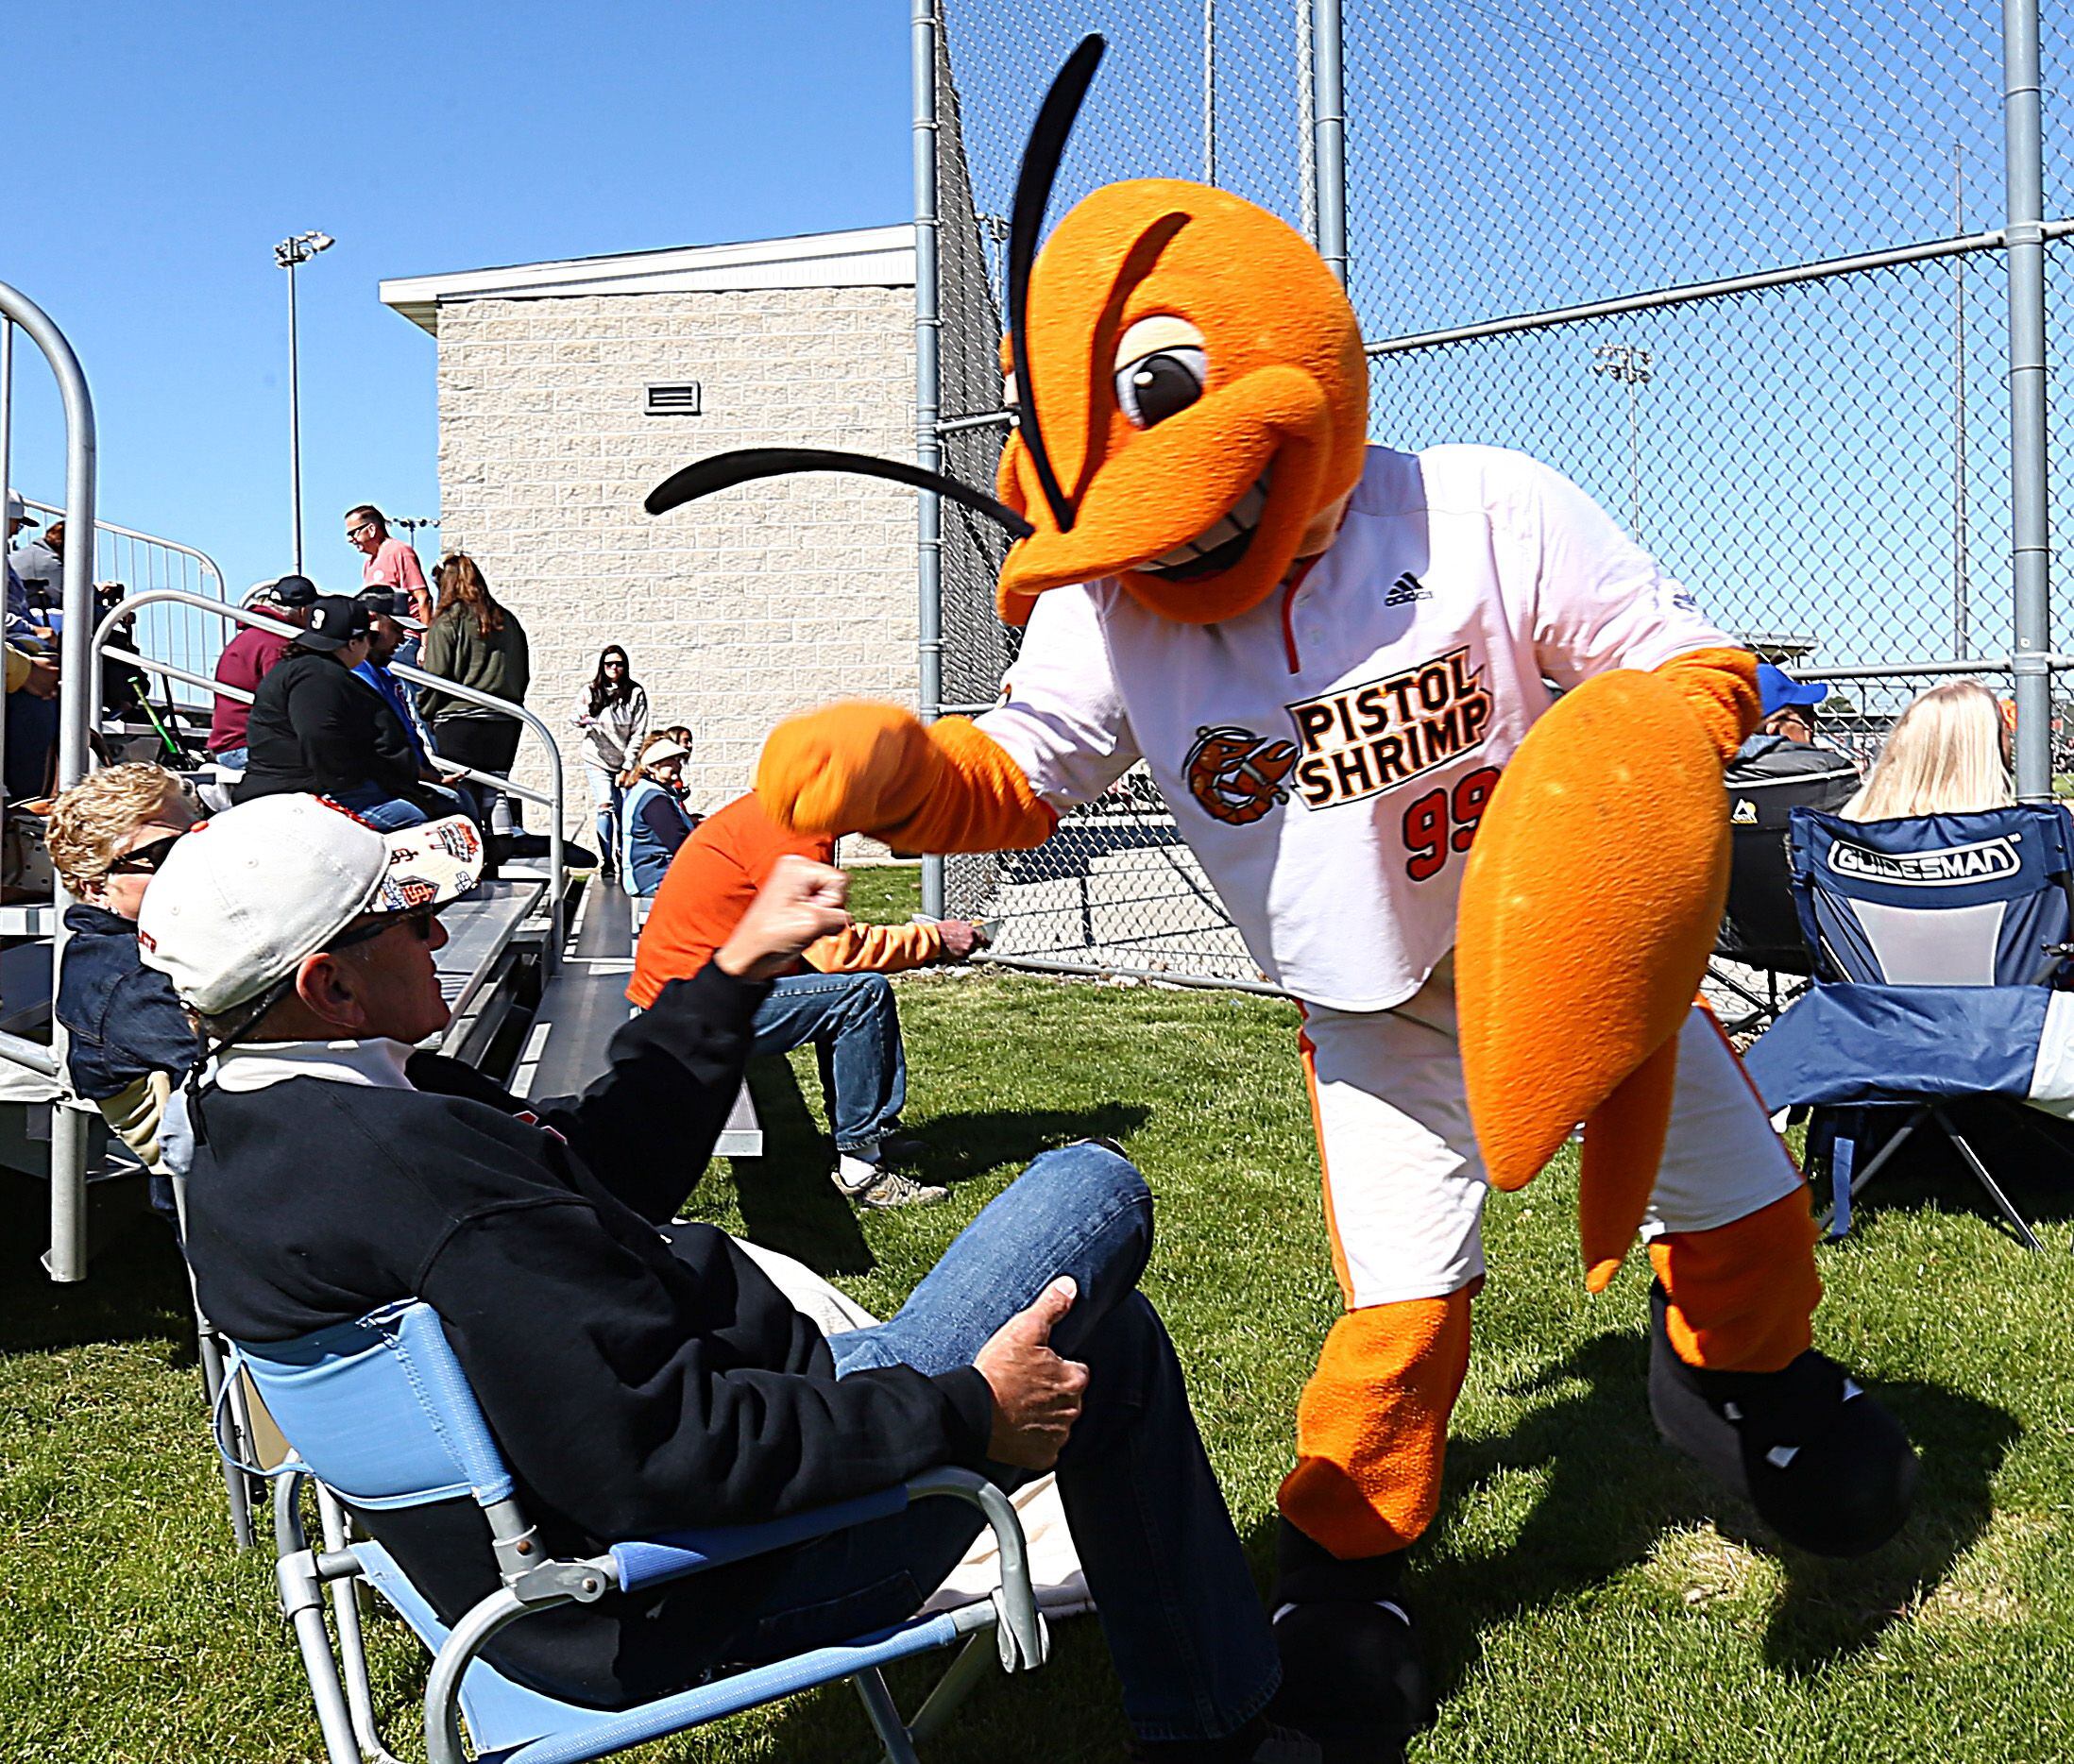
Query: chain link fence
point(1736, 270)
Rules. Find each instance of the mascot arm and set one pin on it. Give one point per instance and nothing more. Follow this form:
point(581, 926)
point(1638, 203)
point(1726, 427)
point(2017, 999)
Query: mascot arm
point(1590, 905)
point(861, 766)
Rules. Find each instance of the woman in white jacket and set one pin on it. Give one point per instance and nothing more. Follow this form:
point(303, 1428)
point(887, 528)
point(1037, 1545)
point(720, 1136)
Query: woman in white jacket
point(612, 711)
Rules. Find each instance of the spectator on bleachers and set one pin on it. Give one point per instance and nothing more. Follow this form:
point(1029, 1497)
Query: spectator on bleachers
point(23, 628)
point(385, 640)
point(390, 562)
point(475, 641)
point(317, 727)
point(40, 563)
point(656, 820)
point(249, 656)
point(612, 711)
point(129, 1042)
point(835, 996)
point(1948, 754)
point(642, 1376)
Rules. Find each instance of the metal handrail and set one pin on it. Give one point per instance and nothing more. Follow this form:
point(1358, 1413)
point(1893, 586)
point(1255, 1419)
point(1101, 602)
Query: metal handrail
point(67, 1256)
point(554, 800)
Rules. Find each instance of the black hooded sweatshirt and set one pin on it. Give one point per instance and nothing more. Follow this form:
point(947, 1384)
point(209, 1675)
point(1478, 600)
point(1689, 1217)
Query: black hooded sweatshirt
point(636, 1382)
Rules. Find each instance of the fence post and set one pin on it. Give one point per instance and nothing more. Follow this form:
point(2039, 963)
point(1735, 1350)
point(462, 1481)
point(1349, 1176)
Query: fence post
point(2029, 536)
point(928, 395)
point(1329, 134)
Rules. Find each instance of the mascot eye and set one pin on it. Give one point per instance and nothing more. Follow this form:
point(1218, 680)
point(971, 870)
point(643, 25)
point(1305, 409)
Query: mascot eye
point(1155, 386)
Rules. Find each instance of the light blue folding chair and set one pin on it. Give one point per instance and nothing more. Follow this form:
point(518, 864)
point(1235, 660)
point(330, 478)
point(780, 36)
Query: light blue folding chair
point(380, 1416)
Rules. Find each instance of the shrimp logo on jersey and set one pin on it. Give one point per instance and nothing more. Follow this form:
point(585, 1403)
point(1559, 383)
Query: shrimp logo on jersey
point(1363, 740)
point(1237, 776)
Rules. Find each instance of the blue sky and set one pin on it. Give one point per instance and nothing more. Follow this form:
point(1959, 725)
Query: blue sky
point(152, 153)
point(1503, 155)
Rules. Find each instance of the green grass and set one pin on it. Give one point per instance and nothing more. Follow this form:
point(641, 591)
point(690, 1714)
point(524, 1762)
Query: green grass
point(1584, 1595)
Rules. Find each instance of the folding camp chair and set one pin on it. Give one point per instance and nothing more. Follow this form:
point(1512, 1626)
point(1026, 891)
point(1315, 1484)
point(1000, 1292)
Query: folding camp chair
point(380, 1416)
point(1760, 928)
point(1963, 901)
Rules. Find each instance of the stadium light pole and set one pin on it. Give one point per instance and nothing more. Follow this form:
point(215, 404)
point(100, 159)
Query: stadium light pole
point(287, 254)
point(1626, 365)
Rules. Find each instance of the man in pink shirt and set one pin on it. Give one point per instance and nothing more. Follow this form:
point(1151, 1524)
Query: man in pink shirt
point(391, 563)
point(246, 658)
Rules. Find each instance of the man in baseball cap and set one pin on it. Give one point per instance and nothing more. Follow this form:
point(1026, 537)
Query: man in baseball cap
point(257, 914)
point(642, 1375)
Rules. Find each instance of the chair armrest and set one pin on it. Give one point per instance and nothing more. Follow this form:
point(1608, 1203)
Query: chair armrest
point(643, 1562)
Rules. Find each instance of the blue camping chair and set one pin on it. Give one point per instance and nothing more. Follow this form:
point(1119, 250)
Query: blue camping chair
point(1928, 907)
point(379, 1414)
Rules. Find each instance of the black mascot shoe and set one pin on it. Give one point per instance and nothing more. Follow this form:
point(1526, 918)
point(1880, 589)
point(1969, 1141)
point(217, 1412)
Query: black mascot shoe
point(1825, 1465)
point(1350, 1672)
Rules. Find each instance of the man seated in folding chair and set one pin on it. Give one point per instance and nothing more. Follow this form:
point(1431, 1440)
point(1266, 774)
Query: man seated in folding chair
point(641, 1377)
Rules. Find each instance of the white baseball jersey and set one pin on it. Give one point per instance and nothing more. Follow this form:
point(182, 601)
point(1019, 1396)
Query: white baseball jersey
point(1328, 754)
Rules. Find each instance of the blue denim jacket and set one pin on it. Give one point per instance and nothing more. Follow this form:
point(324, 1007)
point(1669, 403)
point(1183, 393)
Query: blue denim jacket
point(123, 1017)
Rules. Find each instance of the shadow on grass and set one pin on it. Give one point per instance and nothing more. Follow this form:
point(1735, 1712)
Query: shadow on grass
point(1614, 1491)
point(2030, 1153)
point(135, 1289)
point(957, 1148)
point(789, 1204)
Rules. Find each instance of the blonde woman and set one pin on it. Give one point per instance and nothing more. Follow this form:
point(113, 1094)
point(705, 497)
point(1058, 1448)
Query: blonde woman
point(1948, 754)
point(129, 1044)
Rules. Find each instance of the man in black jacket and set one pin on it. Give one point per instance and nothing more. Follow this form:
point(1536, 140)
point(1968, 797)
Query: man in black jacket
point(642, 1376)
point(318, 727)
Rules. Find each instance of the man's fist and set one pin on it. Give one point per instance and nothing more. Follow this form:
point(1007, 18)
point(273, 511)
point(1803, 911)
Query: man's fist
point(802, 901)
point(857, 767)
point(961, 937)
point(1036, 1393)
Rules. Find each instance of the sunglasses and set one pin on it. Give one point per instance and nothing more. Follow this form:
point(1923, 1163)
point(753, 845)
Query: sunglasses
point(419, 920)
point(354, 533)
point(145, 859)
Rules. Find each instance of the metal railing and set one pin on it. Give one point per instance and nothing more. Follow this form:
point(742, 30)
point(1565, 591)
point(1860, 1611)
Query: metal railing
point(145, 561)
point(67, 1255)
point(551, 799)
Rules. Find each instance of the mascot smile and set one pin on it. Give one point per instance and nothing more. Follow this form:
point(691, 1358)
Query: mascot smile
point(1493, 902)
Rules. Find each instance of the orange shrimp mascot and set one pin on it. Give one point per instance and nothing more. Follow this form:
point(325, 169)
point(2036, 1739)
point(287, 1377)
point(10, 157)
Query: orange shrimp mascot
point(1495, 906)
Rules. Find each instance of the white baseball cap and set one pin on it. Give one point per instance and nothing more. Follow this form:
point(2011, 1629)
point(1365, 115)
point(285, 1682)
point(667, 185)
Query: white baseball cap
point(248, 894)
point(18, 510)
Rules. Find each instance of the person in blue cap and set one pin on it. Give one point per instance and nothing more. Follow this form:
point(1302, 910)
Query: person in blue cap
point(1783, 745)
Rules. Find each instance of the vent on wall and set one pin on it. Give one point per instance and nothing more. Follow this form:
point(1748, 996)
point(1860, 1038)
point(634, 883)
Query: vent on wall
point(678, 400)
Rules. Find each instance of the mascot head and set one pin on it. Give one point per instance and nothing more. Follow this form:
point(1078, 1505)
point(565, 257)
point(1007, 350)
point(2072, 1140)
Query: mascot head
point(1194, 376)
point(1191, 393)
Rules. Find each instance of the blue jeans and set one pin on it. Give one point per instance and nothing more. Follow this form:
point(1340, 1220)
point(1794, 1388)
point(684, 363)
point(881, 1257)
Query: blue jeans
point(1177, 1605)
point(605, 798)
point(854, 1027)
point(377, 809)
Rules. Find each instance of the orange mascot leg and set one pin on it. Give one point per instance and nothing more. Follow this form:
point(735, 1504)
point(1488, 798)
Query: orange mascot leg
point(1735, 1384)
point(1372, 1426)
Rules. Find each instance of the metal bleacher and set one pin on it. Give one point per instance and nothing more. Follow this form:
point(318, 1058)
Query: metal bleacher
point(586, 1002)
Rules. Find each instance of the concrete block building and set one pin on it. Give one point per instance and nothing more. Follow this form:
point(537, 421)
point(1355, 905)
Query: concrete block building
point(567, 390)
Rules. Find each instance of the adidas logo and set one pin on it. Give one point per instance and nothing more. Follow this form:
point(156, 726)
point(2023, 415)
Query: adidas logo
point(1406, 590)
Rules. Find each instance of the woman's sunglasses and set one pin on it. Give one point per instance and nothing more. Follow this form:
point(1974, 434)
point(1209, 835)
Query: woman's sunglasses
point(145, 859)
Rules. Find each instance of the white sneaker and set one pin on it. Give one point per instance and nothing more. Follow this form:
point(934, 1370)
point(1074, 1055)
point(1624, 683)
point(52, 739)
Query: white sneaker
point(870, 1186)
